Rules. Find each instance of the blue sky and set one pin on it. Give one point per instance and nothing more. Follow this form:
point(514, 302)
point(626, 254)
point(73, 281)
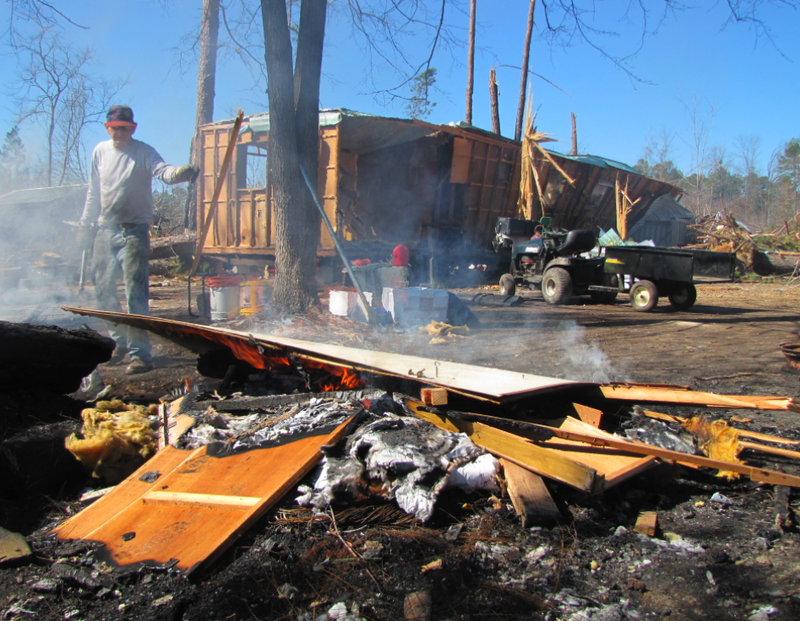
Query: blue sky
point(752, 84)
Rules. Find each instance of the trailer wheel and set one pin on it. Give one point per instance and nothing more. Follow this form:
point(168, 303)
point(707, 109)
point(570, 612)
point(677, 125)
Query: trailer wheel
point(644, 296)
point(556, 286)
point(604, 297)
point(507, 285)
point(684, 298)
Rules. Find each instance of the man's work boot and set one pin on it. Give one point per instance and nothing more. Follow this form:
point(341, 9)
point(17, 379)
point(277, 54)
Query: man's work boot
point(118, 356)
point(139, 366)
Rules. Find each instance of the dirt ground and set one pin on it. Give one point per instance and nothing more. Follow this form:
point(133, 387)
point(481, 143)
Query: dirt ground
point(710, 560)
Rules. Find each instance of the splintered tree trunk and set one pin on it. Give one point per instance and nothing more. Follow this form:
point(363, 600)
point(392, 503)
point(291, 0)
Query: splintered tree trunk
point(206, 81)
point(523, 81)
point(290, 144)
point(574, 150)
point(495, 104)
point(470, 61)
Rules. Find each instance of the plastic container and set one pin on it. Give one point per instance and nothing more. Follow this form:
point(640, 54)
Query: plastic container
point(224, 296)
point(339, 303)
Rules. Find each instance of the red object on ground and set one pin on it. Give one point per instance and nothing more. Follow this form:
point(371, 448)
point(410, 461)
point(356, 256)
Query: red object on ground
point(361, 262)
point(400, 256)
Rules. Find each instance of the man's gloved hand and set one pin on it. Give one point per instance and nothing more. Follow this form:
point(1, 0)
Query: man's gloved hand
point(86, 234)
point(186, 173)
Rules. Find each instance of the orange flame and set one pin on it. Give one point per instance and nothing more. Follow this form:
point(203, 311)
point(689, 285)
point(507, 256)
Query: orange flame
point(332, 376)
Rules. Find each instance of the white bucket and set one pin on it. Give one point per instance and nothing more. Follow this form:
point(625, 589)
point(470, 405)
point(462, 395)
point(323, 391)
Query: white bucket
point(224, 303)
point(339, 303)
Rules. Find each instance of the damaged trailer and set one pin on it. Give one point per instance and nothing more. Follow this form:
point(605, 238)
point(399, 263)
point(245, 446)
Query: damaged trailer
point(437, 189)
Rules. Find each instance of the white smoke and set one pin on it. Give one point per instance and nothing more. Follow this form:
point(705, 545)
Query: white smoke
point(584, 361)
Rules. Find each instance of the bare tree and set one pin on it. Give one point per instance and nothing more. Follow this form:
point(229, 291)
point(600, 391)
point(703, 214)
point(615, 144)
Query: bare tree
point(43, 13)
point(700, 122)
point(55, 86)
point(470, 61)
point(294, 143)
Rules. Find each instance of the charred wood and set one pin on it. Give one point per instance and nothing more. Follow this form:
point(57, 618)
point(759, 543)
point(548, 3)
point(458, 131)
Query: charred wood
point(49, 357)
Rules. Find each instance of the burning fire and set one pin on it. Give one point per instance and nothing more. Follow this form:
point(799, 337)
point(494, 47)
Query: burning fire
point(324, 377)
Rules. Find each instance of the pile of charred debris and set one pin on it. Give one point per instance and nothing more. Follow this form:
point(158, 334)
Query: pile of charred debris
point(409, 488)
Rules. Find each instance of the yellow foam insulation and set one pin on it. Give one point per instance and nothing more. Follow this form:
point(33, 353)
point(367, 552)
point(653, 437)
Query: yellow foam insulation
point(440, 331)
point(717, 441)
point(116, 439)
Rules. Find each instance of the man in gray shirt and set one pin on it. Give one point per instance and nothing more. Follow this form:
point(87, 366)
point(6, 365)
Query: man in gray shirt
point(120, 203)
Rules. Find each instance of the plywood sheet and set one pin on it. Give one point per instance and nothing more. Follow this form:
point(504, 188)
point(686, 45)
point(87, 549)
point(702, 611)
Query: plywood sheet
point(198, 504)
point(486, 382)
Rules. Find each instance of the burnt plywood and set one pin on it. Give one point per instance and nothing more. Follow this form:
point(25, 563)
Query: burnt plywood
point(482, 382)
point(198, 504)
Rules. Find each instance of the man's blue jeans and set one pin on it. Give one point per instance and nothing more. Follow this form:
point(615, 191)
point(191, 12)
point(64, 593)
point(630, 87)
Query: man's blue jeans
point(124, 250)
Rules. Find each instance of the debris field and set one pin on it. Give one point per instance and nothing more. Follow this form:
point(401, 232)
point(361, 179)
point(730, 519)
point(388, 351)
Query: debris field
point(389, 486)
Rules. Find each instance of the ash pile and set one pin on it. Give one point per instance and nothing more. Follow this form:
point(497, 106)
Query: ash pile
point(416, 504)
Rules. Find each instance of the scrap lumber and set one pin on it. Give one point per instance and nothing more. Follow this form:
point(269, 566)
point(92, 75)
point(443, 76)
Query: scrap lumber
point(745, 433)
point(666, 394)
point(783, 512)
point(175, 429)
point(647, 523)
point(490, 384)
point(615, 466)
point(772, 450)
point(761, 475)
point(592, 416)
point(434, 396)
point(14, 548)
point(516, 450)
point(529, 495)
point(187, 507)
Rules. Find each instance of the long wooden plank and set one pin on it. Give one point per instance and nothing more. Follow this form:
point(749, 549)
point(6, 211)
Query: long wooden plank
point(529, 495)
point(644, 393)
point(516, 450)
point(193, 533)
point(744, 433)
point(762, 475)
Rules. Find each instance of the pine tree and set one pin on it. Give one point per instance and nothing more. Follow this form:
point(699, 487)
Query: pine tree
point(419, 104)
point(14, 173)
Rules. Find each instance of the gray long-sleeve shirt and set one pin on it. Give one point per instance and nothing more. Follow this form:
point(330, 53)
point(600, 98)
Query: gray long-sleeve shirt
point(120, 184)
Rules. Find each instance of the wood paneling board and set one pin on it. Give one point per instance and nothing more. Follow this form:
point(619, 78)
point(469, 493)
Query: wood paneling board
point(197, 507)
point(494, 384)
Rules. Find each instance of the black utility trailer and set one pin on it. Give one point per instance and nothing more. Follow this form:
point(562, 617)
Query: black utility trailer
point(646, 273)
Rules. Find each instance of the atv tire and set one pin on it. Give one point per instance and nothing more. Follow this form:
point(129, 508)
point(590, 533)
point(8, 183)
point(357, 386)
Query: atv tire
point(556, 286)
point(644, 296)
point(507, 285)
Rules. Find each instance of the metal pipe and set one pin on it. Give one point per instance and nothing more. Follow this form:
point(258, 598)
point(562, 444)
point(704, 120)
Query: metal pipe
point(361, 298)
